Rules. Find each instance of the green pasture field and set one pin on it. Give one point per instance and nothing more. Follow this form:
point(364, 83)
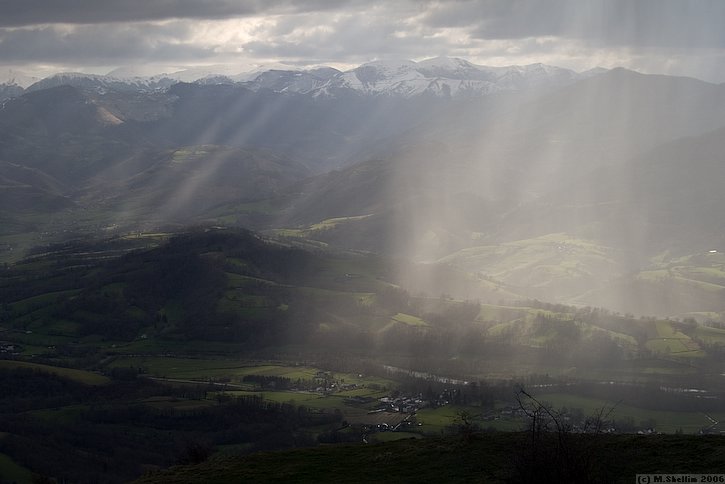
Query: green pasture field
point(289, 233)
point(661, 275)
point(711, 335)
point(155, 236)
point(81, 376)
point(36, 302)
point(62, 415)
point(166, 346)
point(435, 420)
point(675, 347)
point(60, 327)
point(313, 229)
point(362, 392)
point(409, 320)
point(713, 275)
point(235, 281)
point(203, 369)
point(197, 368)
point(38, 337)
point(666, 421)
point(392, 436)
point(192, 153)
point(10, 471)
point(177, 403)
point(666, 339)
point(312, 400)
point(518, 325)
point(333, 222)
point(623, 338)
point(307, 399)
point(540, 261)
point(666, 330)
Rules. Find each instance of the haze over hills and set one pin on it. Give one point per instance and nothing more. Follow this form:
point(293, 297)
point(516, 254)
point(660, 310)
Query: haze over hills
point(439, 160)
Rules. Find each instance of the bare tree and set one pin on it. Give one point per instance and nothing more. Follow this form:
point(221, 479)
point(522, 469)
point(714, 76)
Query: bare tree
point(553, 453)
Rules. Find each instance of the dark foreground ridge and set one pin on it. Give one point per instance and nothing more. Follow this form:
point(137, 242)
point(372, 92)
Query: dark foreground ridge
point(490, 457)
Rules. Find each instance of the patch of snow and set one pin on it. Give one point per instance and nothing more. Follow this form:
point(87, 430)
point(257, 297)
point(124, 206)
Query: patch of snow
point(13, 77)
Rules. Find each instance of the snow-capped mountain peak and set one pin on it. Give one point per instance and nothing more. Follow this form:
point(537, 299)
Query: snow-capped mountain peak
point(444, 76)
point(380, 75)
point(439, 76)
point(444, 62)
point(101, 83)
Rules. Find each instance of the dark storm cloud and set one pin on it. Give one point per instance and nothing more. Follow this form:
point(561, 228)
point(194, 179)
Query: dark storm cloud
point(35, 12)
point(350, 37)
point(634, 23)
point(98, 45)
point(669, 36)
point(603, 22)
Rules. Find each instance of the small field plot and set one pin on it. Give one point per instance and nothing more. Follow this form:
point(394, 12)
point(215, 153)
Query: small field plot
point(435, 420)
point(409, 320)
point(670, 341)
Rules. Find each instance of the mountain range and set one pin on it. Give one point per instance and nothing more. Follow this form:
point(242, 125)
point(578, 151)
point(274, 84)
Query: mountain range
point(440, 76)
point(595, 188)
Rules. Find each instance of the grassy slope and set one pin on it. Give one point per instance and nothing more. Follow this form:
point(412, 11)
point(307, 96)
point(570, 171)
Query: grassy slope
point(560, 267)
point(80, 376)
point(691, 285)
point(555, 263)
point(489, 458)
point(10, 471)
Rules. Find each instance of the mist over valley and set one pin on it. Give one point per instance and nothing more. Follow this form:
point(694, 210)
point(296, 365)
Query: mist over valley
point(574, 194)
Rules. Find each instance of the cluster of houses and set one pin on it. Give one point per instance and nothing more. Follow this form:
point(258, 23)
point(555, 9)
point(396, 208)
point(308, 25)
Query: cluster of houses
point(326, 384)
point(410, 403)
point(402, 404)
point(7, 347)
point(406, 407)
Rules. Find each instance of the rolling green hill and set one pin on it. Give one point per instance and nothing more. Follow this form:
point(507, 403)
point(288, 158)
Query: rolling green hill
point(221, 291)
point(178, 338)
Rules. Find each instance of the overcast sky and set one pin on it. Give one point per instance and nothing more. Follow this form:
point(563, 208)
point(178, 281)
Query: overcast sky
point(683, 37)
